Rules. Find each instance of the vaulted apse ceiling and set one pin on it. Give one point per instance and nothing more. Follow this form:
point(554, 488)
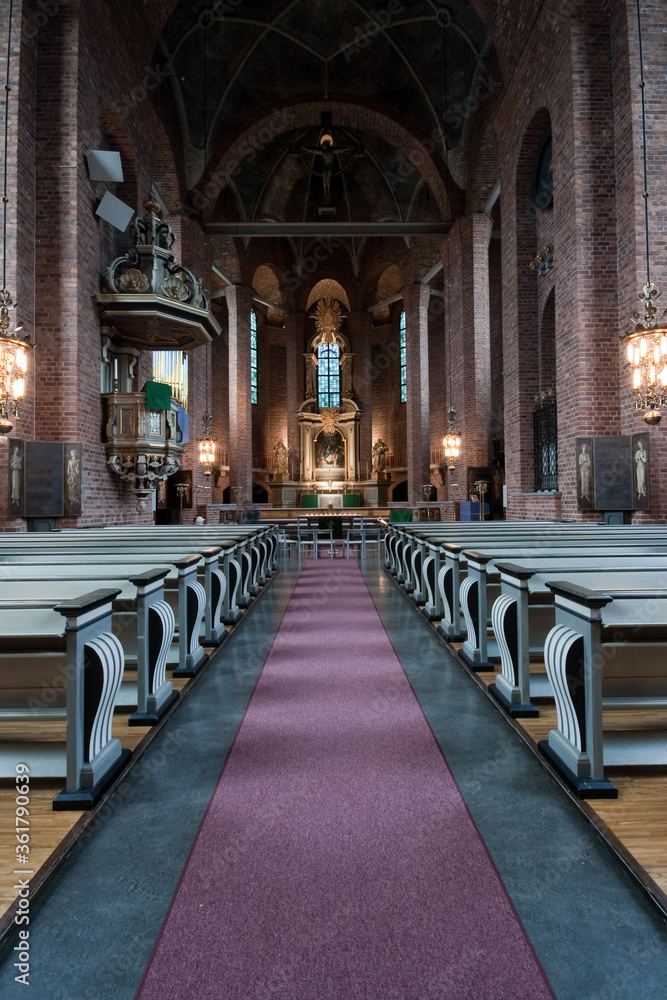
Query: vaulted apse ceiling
point(422, 63)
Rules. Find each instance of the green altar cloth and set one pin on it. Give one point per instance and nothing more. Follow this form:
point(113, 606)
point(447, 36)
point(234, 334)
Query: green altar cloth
point(349, 500)
point(158, 396)
point(399, 514)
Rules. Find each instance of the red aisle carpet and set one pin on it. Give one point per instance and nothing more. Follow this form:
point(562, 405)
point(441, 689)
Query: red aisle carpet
point(337, 859)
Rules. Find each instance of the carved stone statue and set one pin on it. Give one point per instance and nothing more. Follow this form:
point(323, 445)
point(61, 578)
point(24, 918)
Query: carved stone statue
point(379, 451)
point(17, 476)
point(311, 377)
point(346, 374)
point(585, 473)
point(73, 480)
point(280, 456)
point(640, 469)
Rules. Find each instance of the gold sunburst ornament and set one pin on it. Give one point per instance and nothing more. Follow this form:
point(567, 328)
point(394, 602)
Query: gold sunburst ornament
point(328, 320)
point(329, 416)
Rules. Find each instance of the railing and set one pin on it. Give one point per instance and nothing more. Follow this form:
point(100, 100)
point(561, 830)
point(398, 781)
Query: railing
point(399, 460)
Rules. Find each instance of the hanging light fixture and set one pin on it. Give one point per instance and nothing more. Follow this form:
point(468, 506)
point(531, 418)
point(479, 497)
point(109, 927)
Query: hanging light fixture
point(207, 443)
point(13, 357)
point(646, 343)
point(452, 439)
point(207, 446)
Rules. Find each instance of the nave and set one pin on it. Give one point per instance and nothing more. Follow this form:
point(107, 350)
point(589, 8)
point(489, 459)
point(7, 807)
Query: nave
point(94, 929)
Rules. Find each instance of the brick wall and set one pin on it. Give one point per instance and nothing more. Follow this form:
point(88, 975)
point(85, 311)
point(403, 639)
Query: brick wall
point(79, 82)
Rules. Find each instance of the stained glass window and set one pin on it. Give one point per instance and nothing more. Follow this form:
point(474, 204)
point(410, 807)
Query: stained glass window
point(253, 357)
point(328, 375)
point(404, 364)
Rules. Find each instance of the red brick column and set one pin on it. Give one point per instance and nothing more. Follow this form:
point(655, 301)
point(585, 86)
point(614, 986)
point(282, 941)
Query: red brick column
point(587, 314)
point(415, 301)
point(239, 303)
point(360, 325)
point(467, 334)
point(295, 329)
point(20, 278)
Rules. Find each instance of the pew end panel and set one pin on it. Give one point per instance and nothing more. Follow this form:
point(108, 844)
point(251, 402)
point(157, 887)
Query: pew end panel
point(473, 598)
point(191, 608)
point(449, 585)
point(604, 653)
point(155, 626)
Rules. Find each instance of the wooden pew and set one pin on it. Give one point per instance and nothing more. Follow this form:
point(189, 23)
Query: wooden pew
point(403, 541)
point(262, 542)
point(479, 589)
point(142, 621)
point(213, 579)
point(524, 613)
point(50, 581)
point(189, 597)
point(449, 562)
point(75, 639)
point(607, 650)
point(257, 547)
point(409, 550)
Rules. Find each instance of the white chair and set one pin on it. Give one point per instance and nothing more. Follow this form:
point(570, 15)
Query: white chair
point(372, 533)
point(305, 533)
point(355, 536)
point(309, 533)
point(324, 535)
point(286, 541)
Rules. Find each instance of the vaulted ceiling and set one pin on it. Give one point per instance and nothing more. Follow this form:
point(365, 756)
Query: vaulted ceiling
point(418, 63)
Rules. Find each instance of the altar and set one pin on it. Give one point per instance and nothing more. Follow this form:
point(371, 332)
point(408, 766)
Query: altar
point(323, 500)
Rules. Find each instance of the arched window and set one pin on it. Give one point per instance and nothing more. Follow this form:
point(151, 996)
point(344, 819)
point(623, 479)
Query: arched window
point(253, 356)
point(404, 363)
point(328, 375)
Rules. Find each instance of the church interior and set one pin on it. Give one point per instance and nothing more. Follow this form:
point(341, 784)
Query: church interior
point(315, 310)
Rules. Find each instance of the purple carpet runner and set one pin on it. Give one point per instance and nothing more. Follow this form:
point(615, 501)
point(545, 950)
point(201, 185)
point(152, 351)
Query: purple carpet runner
point(337, 859)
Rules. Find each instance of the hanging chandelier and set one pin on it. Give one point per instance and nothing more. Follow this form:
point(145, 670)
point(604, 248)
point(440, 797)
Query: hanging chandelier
point(207, 443)
point(13, 366)
point(451, 440)
point(646, 343)
point(207, 446)
point(13, 357)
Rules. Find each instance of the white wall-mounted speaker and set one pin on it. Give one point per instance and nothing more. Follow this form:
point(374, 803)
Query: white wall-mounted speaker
point(104, 165)
point(115, 211)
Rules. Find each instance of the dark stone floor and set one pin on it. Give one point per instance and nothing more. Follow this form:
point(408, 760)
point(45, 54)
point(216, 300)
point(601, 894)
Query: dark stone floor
point(93, 929)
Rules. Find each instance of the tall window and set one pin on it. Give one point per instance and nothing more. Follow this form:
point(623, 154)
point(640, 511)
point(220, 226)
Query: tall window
point(253, 356)
point(545, 443)
point(172, 367)
point(328, 375)
point(404, 364)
